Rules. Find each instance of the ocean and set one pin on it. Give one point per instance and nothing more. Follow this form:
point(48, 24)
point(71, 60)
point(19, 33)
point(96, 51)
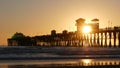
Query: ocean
point(68, 57)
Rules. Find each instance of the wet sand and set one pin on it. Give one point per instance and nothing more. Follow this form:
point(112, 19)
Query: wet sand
point(59, 57)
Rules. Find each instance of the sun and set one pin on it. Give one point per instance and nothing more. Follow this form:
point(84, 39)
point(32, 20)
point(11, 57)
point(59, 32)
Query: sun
point(86, 29)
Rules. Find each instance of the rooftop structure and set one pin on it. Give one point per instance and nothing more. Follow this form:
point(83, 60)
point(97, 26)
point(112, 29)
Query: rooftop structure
point(80, 23)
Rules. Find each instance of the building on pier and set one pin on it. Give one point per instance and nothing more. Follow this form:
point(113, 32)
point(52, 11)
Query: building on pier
point(18, 39)
point(96, 37)
point(94, 25)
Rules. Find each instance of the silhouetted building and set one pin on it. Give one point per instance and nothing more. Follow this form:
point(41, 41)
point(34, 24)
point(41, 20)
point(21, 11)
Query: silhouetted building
point(80, 23)
point(53, 32)
point(18, 39)
point(65, 32)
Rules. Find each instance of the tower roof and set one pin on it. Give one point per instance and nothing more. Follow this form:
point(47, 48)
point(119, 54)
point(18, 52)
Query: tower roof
point(95, 19)
point(80, 20)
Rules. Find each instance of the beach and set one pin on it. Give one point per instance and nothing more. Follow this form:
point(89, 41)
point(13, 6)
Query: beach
point(35, 56)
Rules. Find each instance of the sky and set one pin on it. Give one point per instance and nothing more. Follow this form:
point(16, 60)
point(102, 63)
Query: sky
point(39, 17)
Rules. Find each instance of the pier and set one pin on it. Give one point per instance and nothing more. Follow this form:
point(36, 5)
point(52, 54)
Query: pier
point(97, 37)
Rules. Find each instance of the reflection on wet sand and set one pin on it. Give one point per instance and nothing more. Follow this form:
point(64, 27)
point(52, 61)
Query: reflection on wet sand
point(89, 62)
point(62, 66)
point(59, 57)
point(81, 63)
point(4, 66)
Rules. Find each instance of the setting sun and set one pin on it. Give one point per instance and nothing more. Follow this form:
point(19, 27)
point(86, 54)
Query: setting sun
point(86, 29)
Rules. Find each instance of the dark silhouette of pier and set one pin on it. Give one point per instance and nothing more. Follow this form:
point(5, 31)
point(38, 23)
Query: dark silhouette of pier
point(106, 37)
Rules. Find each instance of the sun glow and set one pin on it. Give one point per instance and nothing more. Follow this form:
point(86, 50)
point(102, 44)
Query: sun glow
point(86, 61)
point(86, 29)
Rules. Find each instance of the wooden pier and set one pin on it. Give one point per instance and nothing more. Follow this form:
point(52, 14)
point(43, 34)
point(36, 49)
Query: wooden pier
point(107, 37)
point(103, 38)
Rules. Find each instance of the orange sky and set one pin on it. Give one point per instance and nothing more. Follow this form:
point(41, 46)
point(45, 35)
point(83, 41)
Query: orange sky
point(38, 17)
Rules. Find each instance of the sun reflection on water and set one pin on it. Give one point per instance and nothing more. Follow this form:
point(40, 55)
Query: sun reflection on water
point(86, 62)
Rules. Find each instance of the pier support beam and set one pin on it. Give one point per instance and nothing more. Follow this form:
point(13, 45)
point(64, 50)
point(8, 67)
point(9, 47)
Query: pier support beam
point(90, 39)
point(110, 39)
point(105, 39)
point(119, 39)
point(114, 34)
point(94, 42)
point(98, 39)
point(101, 39)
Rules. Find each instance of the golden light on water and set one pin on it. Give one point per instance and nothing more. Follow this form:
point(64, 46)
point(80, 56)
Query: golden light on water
point(86, 61)
point(86, 29)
